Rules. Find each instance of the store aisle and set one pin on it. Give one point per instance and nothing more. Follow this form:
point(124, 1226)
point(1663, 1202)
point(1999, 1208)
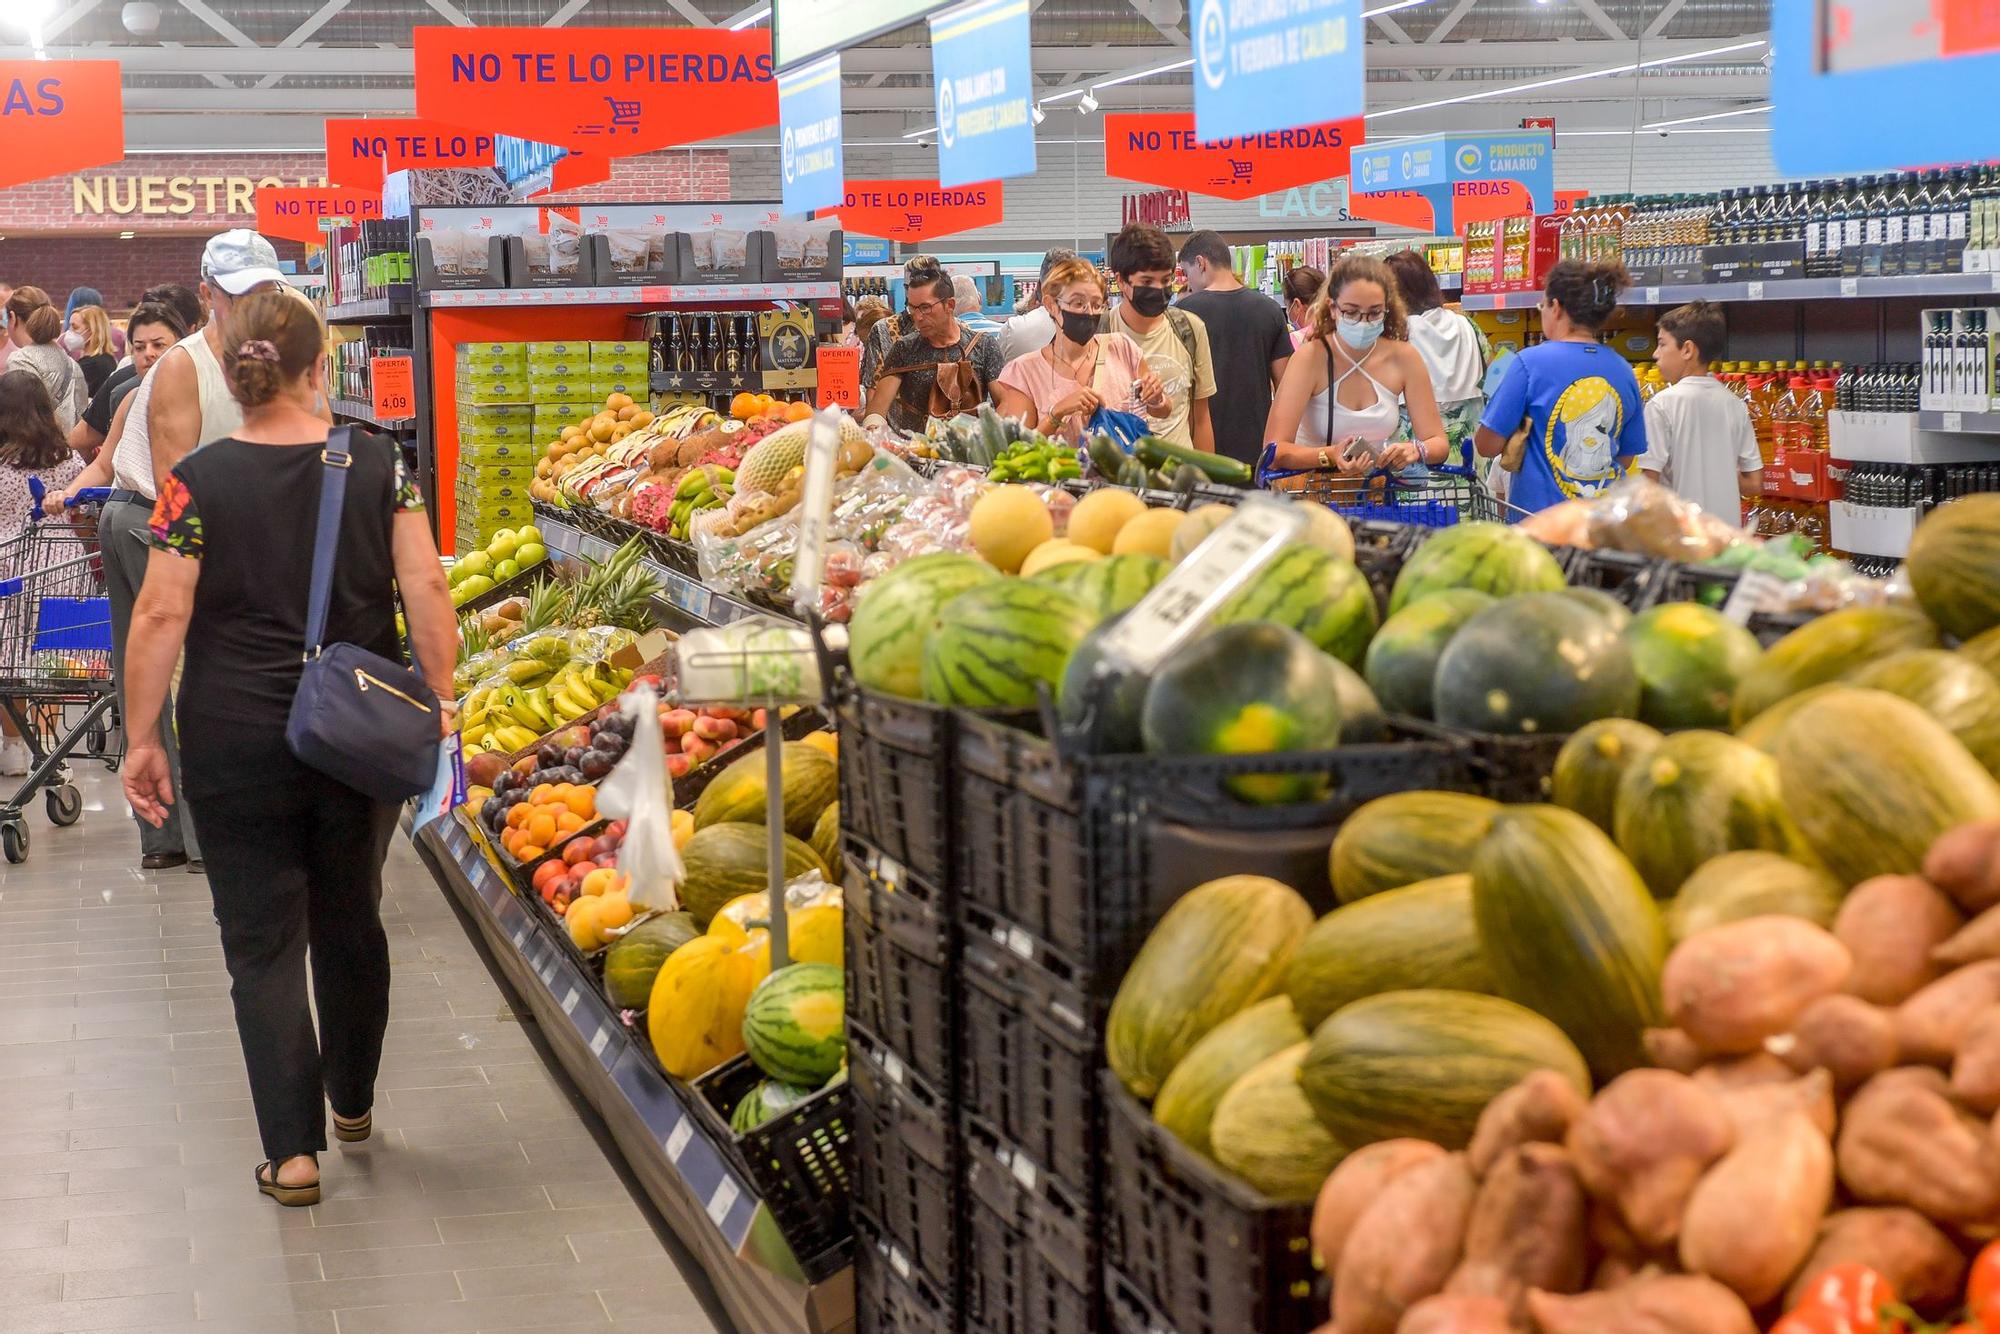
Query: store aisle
point(126, 1145)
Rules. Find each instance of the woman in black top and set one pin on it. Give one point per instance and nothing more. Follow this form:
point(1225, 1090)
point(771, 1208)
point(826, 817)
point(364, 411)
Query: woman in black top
point(294, 857)
point(89, 341)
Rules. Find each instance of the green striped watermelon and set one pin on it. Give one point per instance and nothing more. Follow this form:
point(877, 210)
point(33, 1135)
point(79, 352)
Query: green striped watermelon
point(1601, 602)
point(1401, 666)
point(795, 1025)
point(1105, 715)
point(990, 647)
point(767, 1100)
point(1540, 663)
point(1110, 585)
point(885, 639)
point(1490, 557)
point(1690, 659)
point(1308, 589)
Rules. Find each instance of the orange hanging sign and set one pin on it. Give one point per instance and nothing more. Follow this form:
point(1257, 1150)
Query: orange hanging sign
point(1162, 150)
point(609, 91)
point(360, 152)
point(919, 210)
point(839, 376)
point(394, 381)
point(296, 212)
point(59, 116)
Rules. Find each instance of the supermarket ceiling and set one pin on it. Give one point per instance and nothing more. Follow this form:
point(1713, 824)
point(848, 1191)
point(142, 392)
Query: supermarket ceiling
point(208, 74)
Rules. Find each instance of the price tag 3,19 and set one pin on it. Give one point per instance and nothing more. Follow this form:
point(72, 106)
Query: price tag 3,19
point(1755, 591)
point(809, 559)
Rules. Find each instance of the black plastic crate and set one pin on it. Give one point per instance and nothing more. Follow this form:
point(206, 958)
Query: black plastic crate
point(1126, 1312)
point(1509, 768)
point(1634, 580)
point(893, 1296)
point(1031, 1051)
point(906, 1160)
point(1712, 587)
point(894, 775)
point(1380, 549)
point(1199, 1246)
point(798, 1161)
point(1032, 1264)
point(901, 949)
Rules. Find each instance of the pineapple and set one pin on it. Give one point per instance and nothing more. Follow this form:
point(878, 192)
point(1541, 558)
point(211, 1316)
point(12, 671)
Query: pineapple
point(606, 597)
point(628, 603)
point(547, 600)
point(472, 637)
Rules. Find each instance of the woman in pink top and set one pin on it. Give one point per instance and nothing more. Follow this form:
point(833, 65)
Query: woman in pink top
point(1055, 389)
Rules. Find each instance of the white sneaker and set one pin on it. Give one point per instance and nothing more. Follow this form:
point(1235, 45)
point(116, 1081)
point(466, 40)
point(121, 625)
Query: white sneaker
point(15, 758)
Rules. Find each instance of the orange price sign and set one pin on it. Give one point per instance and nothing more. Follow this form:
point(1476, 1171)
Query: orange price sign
point(840, 376)
point(394, 381)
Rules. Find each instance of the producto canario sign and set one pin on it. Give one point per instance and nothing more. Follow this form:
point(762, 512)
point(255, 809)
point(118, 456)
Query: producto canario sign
point(172, 196)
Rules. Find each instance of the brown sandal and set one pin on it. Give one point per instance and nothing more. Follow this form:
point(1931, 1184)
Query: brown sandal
point(292, 1197)
point(353, 1132)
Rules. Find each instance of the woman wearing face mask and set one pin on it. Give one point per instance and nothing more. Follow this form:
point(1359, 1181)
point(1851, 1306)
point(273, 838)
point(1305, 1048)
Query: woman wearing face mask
point(34, 327)
point(1342, 396)
point(1303, 284)
point(89, 341)
point(1056, 389)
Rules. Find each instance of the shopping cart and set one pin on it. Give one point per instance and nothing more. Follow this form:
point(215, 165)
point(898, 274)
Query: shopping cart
point(1439, 498)
point(55, 658)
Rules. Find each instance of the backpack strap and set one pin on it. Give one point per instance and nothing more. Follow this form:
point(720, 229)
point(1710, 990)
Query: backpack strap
point(1183, 327)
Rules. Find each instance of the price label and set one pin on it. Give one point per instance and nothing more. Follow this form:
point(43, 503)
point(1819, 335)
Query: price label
point(569, 1001)
point(1993, 278)
point(899, 1262)
point(1756, 292)
point(520, 935)
point(1024, 1172)
point(600, 1042)
point(1020, 942)
point(393, 381)
point(1755, 591)
point(678, 1137)
point(1954, 421)
point(839, 377)
point(809, 559)
point(1499, 301)
point(447, 789)
point(892, 1066)
point(1850, 286)
point(719, 1203)
point(1652, 296)
point(1174, 611)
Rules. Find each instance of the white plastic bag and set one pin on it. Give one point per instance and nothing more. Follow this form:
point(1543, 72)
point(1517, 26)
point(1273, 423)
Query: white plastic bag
point(639, 791)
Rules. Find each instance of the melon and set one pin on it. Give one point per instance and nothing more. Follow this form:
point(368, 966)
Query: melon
point(1593, 762)
point(1322, 596)
point(1535, 664)
point(1405, 838)
point(1007, 523)
point(795, 1024)
point(1825, 649)
point(1698, 795)
point(1402, 658)
point(1201, 521)
point(634, 959)
point(726, 861)
point(1951, 688)
point(1362, 720)
point(885, 638)
point(1266, 1132)
point(1100, 515)
point(1188, 1096)
point(1490, 557)
point(992, 646)
point(1954, 565)
point(1421, 936)
point(737, 795)
point(1149, 534)
point(1690, 660)
point(1984, 649)
point(1099, 701)
point(1057, 551)
point(1737, 885)
point(825, 838)
point(1596, 599)
point(1107, 586)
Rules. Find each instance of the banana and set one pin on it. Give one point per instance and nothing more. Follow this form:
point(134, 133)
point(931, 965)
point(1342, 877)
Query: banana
point(538, 700)
point(571, 706)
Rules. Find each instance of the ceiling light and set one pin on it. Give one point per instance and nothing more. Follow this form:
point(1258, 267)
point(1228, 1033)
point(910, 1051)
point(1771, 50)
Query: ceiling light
point(752, 19)
point(1039, 114)
point(1713, 115)
point(126, 236)
point(1395, 5)
point(923, 133)
point(1580, 77)
point(1089, 102)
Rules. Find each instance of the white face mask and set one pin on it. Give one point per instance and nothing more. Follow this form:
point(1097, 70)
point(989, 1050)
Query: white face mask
point(72, 342)
point(1359, 334)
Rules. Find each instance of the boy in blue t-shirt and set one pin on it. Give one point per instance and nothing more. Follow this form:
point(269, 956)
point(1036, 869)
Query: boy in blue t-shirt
point(1580, 398)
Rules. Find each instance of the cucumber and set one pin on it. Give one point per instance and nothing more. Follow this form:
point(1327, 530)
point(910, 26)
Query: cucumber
point(1157, 453)
point(992, 431)
point(1105, 455)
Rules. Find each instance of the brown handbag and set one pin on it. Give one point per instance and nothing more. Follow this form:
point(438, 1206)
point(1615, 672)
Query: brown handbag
point(957, 387)
point(1515, 452)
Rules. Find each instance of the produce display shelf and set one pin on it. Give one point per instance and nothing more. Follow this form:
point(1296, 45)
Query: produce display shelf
point(356, 409)
point(713, 1210)
point(685, 593)
point(394, 305)
point(1787, 289)
point(627, 296)
point(1960, 423)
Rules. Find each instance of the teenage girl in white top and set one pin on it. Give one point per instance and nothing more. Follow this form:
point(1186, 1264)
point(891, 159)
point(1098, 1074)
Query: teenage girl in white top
point(1337, 406)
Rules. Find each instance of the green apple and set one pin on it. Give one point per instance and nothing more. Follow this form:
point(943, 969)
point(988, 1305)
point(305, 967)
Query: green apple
point(473, 564)
point(505, 570)
point(475, 585)
point(529, 535)
point(530, 554)
point(502, 544)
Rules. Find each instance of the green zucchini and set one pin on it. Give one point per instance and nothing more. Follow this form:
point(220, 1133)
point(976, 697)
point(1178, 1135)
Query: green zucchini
point(1157, 453)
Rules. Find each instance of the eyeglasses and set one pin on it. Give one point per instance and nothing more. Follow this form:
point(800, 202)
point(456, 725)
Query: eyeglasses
point(924, 307)
point(1351, 313)
point(1090, 308)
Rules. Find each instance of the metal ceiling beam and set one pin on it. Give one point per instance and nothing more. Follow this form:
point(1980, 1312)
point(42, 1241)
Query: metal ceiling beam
point(452, 13)
point(230, 32)
point(1595, 13)
point(321, 16)
point(562, 16)
point(1448, 22)
point(1663, 18)
point(64, 21)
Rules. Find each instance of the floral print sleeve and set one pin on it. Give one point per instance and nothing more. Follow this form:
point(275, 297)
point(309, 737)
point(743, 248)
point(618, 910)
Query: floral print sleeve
point(408, 495)
point(176, 524)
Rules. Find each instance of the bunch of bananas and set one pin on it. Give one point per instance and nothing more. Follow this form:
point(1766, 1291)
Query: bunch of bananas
point(510, 716)
point(704, 488)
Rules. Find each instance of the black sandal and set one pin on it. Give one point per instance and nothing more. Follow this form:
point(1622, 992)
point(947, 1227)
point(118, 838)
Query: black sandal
point(292, 1197)
point(353, 1132)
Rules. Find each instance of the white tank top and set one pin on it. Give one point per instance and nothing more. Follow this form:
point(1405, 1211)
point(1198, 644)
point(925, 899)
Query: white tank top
point(221, 415)
point(1328, 421)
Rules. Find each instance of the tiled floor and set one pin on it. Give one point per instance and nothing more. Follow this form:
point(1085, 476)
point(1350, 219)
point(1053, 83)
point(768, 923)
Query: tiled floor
point(126, 1146)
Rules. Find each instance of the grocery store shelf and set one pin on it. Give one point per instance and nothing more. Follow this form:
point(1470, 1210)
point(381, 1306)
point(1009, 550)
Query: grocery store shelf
point(355, 409)
point(1792, 289)
point(1961, 423)
point(394, 304)
point(628, 296)
point(683, 592)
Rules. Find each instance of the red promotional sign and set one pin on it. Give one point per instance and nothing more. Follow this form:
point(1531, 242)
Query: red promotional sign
point(919, 210)
point(295, 212)
point(609, 91)
point(1162, 150)
point(59, 116)
point(359, 152)
point(578, 170)
point(1398, 208)
point(839, 375)
point(393, 382)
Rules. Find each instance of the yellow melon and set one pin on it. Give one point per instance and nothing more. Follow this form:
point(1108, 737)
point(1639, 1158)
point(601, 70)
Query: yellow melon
point(1149, 534)
point(1098, 517)
point(1201, 521)
point(1057, 551)
point(1008, 522)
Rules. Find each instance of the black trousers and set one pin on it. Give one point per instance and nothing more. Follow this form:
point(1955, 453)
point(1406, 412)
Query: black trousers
point(296, 868)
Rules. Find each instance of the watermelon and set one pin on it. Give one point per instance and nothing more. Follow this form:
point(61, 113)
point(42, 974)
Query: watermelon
point(1700, 794)
point(992, 646)
point(1247, 689)
point(766, 1101)
point(1825, 649)
point(1490, 557)
point(1423, 1064)
point(1690, 659)
point(1951, 688)
point(1954, 565)
point(1361, 716)
point(1322, 596)
point(1596, 599)
point(737, 796)
point(885, 638)
point(1406, 837)
point(1421, 936)
point(727, 861)
point(1188, 1097)
point(1266, 1132)
point(1593, 761)
point(634, 959)
point(1223, 946)
point(1539, 663)
point(1121, 698)
point(1402, 658)
point(1737, 885)
point(1110, 585)
point(795, 1025)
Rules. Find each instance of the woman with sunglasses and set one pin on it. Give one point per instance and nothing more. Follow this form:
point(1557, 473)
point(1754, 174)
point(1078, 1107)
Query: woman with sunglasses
point(1343, 394)
point(1056, 388)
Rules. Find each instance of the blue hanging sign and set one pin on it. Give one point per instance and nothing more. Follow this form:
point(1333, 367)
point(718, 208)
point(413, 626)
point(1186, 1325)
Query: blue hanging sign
point(985, 93)
point(1437, 165)
point(1860, 88)
point(1261, 67)
point(520, 161)
point(813, 165)
point(865, 250)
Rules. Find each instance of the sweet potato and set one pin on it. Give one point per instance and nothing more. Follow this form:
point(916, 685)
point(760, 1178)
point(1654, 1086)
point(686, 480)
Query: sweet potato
point(1843, 1035)
point(1890, 925)
point(1975, 1071)
point(1405, 1246)
point(1539, 1109)
point(1614, 1271)
point(1931, 1024)
point(1662, 1304)
point(1965, 863)
point(1742, 1072)
point(1734, 985)
point(1921, 1263)
point(1902, 1142)
point(1671, 1049)
point(1643, 1143)
point(1456, 1314)
point(1753, 1218)
point(1353, 1186)
point(1753, 1106)
point(1977, 939)
point(1527, 1230)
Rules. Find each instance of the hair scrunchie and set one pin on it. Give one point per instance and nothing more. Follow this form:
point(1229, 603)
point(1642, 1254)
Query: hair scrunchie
point(258, 349)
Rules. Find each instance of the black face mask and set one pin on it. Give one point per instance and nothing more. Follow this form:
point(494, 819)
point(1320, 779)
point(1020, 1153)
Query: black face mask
point(1149, 301)
point(1078, 327)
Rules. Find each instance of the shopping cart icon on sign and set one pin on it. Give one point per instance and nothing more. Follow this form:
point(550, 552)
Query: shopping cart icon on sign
point(624, 115)
point(1239, 169)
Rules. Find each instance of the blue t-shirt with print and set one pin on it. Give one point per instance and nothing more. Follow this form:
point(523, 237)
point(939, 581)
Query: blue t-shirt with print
point(1586, 422)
